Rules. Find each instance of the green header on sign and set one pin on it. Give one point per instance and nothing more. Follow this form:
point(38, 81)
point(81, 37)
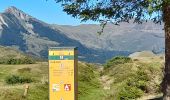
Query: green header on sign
point(61, 57)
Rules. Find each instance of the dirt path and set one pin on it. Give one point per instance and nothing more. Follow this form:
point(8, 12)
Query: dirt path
point(151, 97)
point(106, 82)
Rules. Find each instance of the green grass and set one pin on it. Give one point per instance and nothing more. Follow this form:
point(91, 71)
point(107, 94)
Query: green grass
point(38, 92)
point(88, 80)
point(90, 87)
point(128, 80)
point(133, 79)
point(11, 94)
point(38, 88)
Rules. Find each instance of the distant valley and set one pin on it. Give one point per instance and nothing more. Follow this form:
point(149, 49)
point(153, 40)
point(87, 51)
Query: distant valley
point(32, 36)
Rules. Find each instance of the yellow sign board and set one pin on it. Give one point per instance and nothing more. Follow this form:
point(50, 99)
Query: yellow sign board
point(63, 73)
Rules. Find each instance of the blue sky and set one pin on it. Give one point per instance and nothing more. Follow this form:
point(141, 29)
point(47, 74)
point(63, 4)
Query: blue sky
point(47, 11)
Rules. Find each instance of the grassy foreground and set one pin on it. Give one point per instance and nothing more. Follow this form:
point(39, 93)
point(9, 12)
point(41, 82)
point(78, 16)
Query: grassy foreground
point(89, 84)
point(120, 79)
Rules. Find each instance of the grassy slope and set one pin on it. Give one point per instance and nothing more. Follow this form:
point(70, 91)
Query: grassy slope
point(94, 82)
point(9, 52)
point(89, 84)
point(38, 89)
point(134, 79)
point(143, 79)
point(90, 87)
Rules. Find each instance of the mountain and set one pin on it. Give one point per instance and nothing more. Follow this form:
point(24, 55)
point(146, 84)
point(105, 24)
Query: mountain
point(30, 35)
point(130, 37)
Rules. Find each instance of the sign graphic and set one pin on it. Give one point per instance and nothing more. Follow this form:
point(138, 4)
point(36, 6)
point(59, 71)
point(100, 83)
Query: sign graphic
point(56, 87)
point(63, 73)
point(67, 87)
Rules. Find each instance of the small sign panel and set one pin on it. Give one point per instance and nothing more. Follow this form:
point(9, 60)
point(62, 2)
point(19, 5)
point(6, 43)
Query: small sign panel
point(56, 87)
point(63, 73)
point(67, 87)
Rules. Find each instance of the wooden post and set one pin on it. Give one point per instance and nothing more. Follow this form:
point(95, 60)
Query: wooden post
point(26, 90)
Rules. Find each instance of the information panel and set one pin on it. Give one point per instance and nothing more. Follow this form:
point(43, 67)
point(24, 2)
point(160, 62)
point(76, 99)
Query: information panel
point(63, 73)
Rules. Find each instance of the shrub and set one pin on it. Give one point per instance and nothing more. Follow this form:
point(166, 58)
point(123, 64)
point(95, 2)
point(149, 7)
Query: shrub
point(117, 60)
point(135, 59)
point(89, 85)
point(139, 80)
point(130, 81)
point(14, 79)
point(24, 70)
point(27, 60)
point(13, 61)
point(129, 93)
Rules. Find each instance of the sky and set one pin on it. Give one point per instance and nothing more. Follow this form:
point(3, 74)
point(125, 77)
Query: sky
point(45, 10)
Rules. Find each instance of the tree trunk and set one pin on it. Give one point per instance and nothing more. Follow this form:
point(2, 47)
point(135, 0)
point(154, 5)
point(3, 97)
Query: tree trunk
point(166, 80)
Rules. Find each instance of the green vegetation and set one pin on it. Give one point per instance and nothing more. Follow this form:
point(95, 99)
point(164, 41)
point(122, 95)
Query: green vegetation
point(90, 87)
point(13, 57)
point(14, 61)
point(117, 60)
point(36, 92)
point(14, 79)
point(132, 79)
point(39, 92)
point(121, 78)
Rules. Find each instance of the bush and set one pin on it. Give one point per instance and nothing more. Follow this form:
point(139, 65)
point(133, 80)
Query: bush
point(129, 93)
point(27, 60)
point(13, 61)
point(14, 79)
point(130, 81)
point(89, 87)
point(139, 80)
point(117, 60)
point(87, 73)
point(24, 70)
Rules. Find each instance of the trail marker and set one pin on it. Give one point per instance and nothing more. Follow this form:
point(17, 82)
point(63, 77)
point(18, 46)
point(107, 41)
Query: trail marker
point(63, 73)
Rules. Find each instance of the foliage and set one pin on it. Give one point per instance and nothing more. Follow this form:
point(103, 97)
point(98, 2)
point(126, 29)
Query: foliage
point(129, 92)
point(139, 80)
point(114, 10)
point(132, 80)
point(14, 79)
point(88, 82)
point(12, 61)
point(117, 60)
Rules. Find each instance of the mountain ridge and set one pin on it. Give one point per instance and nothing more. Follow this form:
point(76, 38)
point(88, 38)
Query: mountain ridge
point(113, 33)
point(33, 36)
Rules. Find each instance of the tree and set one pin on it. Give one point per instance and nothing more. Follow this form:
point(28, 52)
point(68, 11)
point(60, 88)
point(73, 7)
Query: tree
point(117, 11)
